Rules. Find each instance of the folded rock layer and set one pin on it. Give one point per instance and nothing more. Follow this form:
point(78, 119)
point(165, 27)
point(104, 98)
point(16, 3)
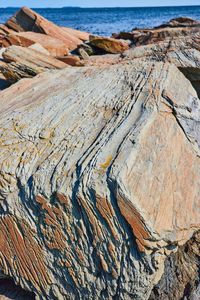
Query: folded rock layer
point(99, 179)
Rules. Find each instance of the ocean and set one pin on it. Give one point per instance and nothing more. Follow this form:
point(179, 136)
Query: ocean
point(105, 21)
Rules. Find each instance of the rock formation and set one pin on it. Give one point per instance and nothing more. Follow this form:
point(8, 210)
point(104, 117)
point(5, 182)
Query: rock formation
point(28, 20)
point(27, 63)
point(109, 45)
point(25, 39)
point(100, 167)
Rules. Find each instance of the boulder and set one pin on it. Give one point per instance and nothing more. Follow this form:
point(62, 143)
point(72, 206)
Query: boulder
point(108, 44)
point(176, 28)
point(31, 57)
point(25, 39)
point(13, 72)
point(99, 179)
point(28, 20)
point(181, 22)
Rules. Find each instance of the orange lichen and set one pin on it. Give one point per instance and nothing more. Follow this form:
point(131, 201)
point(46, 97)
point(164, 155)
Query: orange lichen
point(106, 164)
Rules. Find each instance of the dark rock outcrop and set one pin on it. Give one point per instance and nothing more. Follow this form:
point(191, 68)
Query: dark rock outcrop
point(181, 278)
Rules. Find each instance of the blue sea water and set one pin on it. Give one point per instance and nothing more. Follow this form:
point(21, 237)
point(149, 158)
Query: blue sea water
point(105, 21)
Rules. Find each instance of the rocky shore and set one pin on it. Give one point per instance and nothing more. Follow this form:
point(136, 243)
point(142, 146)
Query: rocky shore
point(99, 161)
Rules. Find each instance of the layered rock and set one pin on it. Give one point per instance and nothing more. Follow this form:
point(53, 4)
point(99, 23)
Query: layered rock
point(176, 28)
point(14, 71)
point(28, 20)
point(27, 63)
point(72, 60)
point(181, 22)
point(25, 39)
point(81, 35)
point(97, 185)
point(31, 57)
point(181, 274)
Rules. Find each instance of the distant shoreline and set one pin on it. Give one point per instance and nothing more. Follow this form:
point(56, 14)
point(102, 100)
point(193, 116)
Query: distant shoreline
point(97, 7)
point(108, 20)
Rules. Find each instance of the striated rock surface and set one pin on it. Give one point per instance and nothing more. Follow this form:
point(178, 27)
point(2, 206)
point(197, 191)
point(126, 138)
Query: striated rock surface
point(81, 35)
point(181, 22)
point(39, 48)
point(27, 63)
point(181, 274)
point(176, 28)
point(25, 39)
point(72, 60)
point(28, 20)
point(31, 57)
point(97, 185)
point(14, 71)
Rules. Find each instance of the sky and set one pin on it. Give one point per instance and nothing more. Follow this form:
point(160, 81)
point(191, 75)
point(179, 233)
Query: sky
point(96, 3)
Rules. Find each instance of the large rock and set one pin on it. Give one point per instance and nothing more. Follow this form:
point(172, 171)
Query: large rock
point(31, 57)
point(181, 22)
point(27, 63)
point(176, 28)
point(13, 72)
point(99, 179)
point(28, 20)
point(25, 39)
point(108, 44)
point(183, 52)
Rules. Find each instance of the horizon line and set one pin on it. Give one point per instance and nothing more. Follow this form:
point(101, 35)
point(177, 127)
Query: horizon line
point(83, 7)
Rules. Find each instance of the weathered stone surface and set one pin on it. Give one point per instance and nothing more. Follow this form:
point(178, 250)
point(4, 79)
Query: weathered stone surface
point(109, 45)
point(31, 57)
point(72, 60)
point(181, 22)
point(39, 48)
point(102, 60)
point(183, 52)
point(81, 35)
point(28, 20)
point(87, 48)
point(83, 54)
point(181, 275)
point(5, 29)
point(176, 28)
point(98, 184)
point(13, 72)
point(25, 39)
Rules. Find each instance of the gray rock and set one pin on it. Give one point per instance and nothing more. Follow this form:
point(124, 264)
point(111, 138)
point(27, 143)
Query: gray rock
point(99, 181)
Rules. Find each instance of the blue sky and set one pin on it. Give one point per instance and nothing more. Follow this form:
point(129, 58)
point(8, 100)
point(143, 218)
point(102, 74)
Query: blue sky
point(96, 3)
